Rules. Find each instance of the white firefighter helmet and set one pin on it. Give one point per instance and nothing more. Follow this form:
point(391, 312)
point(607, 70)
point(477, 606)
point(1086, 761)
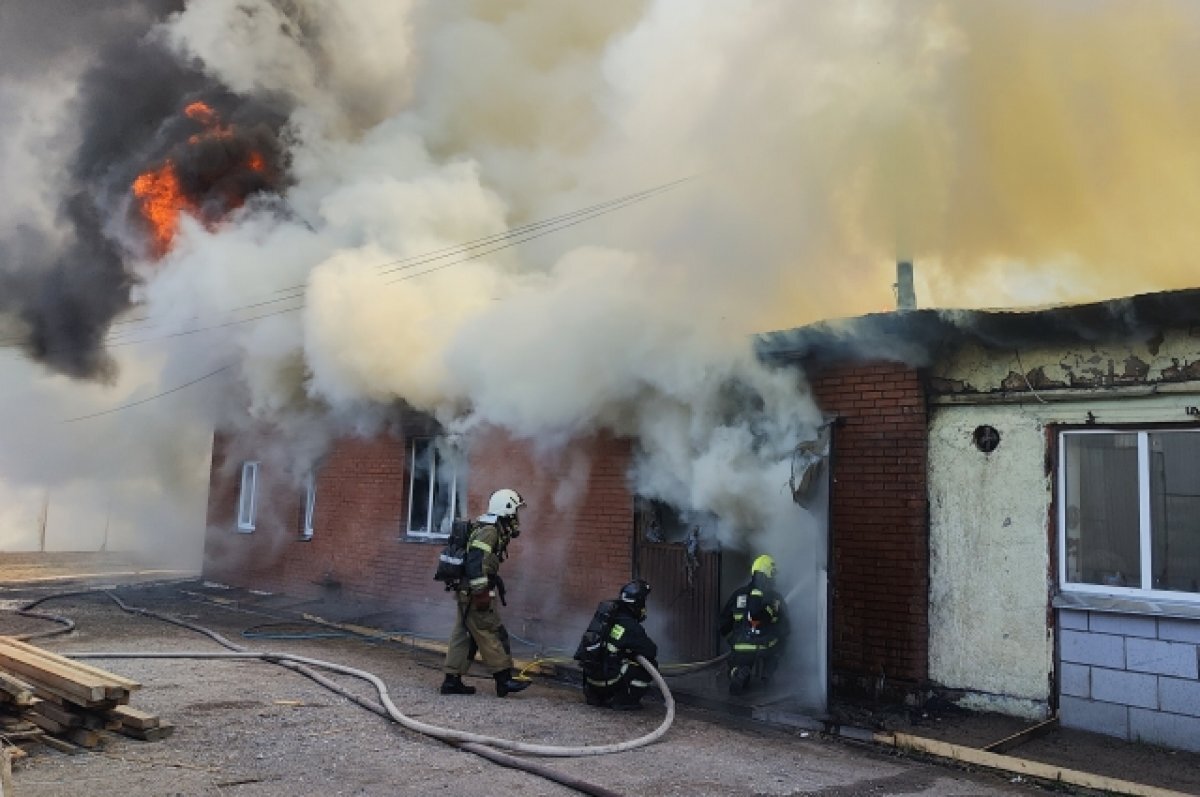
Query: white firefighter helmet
point(505, 503)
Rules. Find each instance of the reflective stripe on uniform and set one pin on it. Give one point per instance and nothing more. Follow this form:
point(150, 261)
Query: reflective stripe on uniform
point(620, 675)
point(483, 546)
point(747, 646)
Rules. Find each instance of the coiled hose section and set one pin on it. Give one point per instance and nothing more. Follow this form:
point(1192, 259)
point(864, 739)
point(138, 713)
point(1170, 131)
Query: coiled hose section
point(481, 744)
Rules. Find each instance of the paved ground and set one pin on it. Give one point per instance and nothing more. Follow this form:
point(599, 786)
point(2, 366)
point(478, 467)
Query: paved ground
point(254, 729)
point(251, 728)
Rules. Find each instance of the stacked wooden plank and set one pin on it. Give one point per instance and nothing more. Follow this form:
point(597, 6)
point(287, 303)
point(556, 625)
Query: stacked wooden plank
point(68, 700)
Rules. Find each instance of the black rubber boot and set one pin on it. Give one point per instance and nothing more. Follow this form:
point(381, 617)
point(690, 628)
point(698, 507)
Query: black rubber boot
point(453, 685)
point(739, 679)
point(506, 684)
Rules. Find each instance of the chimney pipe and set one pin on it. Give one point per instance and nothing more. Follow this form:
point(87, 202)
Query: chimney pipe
point(906, 296)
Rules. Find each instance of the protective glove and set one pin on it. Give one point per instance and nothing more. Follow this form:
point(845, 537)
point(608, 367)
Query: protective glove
point(482, 600)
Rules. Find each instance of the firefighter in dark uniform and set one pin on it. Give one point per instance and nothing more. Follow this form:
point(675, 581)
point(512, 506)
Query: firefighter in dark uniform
point(478, 624)
point(612, 675)
point(754, 623)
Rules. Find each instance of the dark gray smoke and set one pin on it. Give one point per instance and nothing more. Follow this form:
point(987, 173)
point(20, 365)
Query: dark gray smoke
point(63, 284)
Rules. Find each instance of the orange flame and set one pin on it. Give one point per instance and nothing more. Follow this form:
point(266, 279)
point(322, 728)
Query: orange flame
point(160, 193)
point(206, 116)
point(162, 201)
point(202, 113)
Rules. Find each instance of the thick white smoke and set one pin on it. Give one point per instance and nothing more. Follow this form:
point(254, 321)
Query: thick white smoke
point(1018, 152)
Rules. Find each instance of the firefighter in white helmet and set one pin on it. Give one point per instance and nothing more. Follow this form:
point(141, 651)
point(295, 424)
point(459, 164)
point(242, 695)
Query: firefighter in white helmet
point(478, 624)
point(756, 627)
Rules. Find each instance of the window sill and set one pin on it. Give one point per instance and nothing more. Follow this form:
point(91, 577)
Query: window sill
point(421, 539)
point(1123, 604)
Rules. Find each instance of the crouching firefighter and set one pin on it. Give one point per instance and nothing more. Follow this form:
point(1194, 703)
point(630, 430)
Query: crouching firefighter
point(756, 628)
point(478, 624)
point(607, 652)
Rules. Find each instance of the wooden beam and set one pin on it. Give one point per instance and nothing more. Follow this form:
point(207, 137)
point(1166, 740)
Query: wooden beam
point(1020, 766)
point(134, 718)
point(57, 713)
point(1020, 737)
point(59, 745)
point(41, 671)
point(60, 698)
point(71, 664)
point(6, 781)
point(45, 723)
point(159, 733)
point(16, 690)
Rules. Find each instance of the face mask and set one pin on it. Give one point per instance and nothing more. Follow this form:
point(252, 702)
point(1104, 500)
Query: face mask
point(514, 527)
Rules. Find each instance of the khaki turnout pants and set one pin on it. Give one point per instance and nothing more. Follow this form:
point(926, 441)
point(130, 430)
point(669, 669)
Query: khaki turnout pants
point(487, 631)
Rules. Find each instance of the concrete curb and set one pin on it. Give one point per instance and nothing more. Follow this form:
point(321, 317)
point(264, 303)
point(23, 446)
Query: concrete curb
point(1034, 770)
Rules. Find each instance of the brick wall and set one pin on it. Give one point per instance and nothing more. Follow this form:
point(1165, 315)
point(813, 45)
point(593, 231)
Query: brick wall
point(575, 547)
point(1131, 676)
point(879, 526)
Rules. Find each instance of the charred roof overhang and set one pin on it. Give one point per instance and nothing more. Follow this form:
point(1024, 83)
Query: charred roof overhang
point(918, 336)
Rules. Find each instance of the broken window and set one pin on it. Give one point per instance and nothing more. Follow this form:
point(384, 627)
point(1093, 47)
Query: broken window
point(436, 492)
point(1130, 512)
point(248, 497)
point(658, 521)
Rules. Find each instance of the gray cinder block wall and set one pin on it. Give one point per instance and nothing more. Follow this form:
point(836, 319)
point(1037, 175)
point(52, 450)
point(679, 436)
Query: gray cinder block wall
point(1132, 676)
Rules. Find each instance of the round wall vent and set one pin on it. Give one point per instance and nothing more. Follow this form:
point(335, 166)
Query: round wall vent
point(986, 438)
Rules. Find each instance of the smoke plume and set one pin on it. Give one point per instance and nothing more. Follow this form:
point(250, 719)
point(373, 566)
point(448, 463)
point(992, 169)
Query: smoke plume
point(1017, 152)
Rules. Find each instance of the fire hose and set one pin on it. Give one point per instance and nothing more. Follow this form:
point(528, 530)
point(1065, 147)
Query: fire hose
point(487, 746)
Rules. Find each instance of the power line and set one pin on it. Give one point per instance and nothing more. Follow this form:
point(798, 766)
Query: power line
point(624, 203)
point(175, 389)
point(512, 237)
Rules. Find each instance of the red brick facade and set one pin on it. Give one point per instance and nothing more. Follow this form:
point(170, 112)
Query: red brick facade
point(879, 524)
point(578, 531)
point(575, 547)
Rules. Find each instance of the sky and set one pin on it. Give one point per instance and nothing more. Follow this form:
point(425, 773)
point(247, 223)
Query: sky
point(751, 166)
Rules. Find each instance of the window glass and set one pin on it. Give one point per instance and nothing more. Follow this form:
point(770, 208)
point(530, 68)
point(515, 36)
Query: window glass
point(1175, 511)
point(443, 494)
point(1103, 536)
point(310, 504)
point(436, 488)
point(248, 496)
point(420, 485)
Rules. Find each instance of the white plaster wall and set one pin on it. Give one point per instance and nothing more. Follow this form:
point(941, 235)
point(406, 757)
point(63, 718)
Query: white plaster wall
point(991, 534)
point(989, 558)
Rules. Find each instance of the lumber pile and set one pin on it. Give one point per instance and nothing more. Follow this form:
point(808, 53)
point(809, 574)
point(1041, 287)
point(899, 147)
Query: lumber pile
point(66, 704)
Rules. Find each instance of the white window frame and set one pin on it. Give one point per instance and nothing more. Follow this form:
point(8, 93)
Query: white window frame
point(428, 532)
point(248, 497)
point(310, 505)
point(1145, 576)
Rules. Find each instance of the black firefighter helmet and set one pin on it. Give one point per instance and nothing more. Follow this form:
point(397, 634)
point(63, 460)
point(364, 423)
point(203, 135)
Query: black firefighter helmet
point(634, 595)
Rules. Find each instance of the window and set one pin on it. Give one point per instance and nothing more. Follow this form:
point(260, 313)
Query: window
point(435, 490)
point(310, 505)
point(248, 497)
point(1129, 515)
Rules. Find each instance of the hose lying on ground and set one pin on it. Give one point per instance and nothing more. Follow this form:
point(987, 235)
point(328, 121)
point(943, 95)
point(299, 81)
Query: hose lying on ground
point(436, 731)
point(477, 743)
